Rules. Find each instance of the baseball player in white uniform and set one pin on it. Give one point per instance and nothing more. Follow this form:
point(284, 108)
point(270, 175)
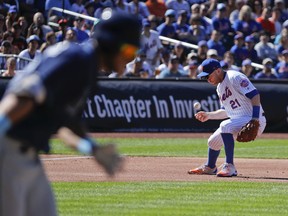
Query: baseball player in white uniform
point(240, 102)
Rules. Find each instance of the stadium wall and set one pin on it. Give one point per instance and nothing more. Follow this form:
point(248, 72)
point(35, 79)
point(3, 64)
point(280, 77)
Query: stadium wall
point(153, 105)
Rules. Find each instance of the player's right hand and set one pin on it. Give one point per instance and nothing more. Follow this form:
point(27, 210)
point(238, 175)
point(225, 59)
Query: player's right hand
point(201, 116)
point(109, 158)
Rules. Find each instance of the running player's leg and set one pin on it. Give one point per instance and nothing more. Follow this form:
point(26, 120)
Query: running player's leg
point(40, 199)
point(13, 179)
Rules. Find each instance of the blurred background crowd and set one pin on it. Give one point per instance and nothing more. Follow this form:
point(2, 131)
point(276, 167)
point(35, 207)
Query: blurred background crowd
point(239, 33)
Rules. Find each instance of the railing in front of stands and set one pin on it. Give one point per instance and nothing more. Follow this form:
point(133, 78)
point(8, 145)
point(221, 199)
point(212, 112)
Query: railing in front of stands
point(21, 62)
point(166, 39)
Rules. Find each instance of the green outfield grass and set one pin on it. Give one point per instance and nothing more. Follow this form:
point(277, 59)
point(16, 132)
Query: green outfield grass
point(172, 198)
point(261, 148)
point(176, 198)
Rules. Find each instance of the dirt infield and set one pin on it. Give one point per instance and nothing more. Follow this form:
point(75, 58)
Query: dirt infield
point(71, 168)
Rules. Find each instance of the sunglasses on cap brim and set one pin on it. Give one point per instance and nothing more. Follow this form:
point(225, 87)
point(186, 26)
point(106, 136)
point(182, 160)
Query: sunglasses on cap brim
point(205, 77)
point(129, 51)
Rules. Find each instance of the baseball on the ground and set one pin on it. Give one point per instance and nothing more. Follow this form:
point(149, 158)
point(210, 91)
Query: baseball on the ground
point(197, 105)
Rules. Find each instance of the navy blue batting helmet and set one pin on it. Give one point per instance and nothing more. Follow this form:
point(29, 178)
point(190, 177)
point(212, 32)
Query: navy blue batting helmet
point(117, 29)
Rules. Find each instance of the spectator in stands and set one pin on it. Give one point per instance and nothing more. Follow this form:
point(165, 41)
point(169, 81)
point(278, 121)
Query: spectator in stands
point(283, 10)
point(78, 7)
point(56, 3)
point(8, 35)
point(139, 66)
point(202, 51)
point(247, 68)
point(182, 27)
point(196, 30)
point(151, 44)
point(251, 52)
point(24, 25)
point(275, 20)
point(283, 45)
point(192, 56)
point(89, 8)
point(246, 24)
point(173, 69)
point(267, 72)
point(89, 11)
point(229, 61)
point(215, 43)
point(192, 69)
point(50, 40)
point(201, 12)
point(11, 17)
point(153, 21)
point(122, 6)
point(265, 49)
point(63, 26)
point(2, 26)
point(166, 28)
point(283, 32)
point(165, 57)
point(222, 24)
point(212, 53)
point(180, 52)
point(256, 7)
point(195, 8)
point(139, 8)
point(239, 52)
point(31, 52)
point(178, 5)
point(81, 35)
point(38, 27)
point(234, 15)
point(266, 24)
point(11, 67)
point(282, 66)
point(6, 48)
point(19, 42)
point(71, 36)
point(205, 21)
point(157, 8)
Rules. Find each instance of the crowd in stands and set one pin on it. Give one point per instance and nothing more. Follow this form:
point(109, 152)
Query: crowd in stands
point(238, 33)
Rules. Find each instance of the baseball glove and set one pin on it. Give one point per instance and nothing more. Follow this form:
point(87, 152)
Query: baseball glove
point(249, 131)
point(108, 157)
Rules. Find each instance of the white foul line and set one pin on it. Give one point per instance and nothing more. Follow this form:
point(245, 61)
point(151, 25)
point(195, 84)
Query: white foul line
point(66, 158)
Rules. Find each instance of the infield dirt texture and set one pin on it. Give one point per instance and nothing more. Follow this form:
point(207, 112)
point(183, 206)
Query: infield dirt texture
point(83, 169)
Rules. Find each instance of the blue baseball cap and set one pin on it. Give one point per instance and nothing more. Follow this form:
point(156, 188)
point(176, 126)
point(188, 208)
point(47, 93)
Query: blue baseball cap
point(284, 52)
point(146, 22)
point(238, 36)
point(202, 43)
point(249, 39)
point(170, 12)
point(208, 67)
point(12, 9)
point(246, 62)
point(33, 38)
point(221, 6)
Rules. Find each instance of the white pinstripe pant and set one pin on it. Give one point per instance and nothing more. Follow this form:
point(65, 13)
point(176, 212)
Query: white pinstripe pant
point(232, 126)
